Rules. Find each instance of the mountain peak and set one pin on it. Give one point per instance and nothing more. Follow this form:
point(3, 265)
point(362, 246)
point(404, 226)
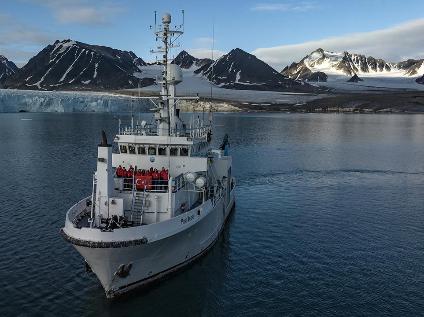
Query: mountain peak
point(186, 60)
point(241, 70)
point(7, 68)
point(318, 50)
point(65, 42)
point(184, 53)
point(238, 52)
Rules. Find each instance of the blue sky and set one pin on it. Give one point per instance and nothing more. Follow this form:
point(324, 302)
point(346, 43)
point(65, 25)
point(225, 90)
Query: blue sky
point(276, 31)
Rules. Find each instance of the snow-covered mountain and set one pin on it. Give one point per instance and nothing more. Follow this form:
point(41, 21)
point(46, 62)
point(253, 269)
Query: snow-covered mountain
point(241, 70)
point(74, 65)
point(350, 64)
point(7, 68)
point(185, 60)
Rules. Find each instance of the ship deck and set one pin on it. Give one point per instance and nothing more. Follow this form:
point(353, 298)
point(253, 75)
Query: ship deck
point(82, 220)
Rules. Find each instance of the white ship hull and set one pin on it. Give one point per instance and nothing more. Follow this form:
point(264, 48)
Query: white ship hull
point(153, 260)
point(160, 198)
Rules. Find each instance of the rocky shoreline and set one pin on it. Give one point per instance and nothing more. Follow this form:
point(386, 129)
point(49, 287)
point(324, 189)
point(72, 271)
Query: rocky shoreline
point(388, 102)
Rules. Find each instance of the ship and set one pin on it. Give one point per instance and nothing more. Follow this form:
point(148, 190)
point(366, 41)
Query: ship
point(161, 194)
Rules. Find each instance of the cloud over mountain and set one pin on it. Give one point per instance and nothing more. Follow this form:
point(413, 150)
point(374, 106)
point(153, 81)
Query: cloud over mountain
point(393, 44)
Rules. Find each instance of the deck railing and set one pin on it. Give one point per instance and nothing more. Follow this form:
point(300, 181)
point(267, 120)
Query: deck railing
point(132, 183)
point(81, 208)
point(192, 132)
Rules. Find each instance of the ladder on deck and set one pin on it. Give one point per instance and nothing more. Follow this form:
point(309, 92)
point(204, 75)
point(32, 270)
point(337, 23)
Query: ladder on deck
point(140, 203)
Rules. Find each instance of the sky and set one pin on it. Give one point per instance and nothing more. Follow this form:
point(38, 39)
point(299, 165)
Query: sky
point(278, 31)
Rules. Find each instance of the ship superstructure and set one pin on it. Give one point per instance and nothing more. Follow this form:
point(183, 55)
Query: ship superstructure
point(161, 199)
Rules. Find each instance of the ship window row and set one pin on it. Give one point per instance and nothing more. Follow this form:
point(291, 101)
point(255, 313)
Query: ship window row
point(154, 150)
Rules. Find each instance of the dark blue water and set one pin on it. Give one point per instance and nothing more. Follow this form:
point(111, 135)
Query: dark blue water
point(329, 220)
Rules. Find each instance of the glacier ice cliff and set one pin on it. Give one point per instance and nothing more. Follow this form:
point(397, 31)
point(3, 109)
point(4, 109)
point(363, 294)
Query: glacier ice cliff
point(12, 100)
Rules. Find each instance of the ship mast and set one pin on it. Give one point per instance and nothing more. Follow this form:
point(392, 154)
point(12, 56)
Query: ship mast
point(171, 75)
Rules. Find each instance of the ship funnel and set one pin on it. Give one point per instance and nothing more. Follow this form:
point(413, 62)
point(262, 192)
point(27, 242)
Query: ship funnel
point(104, 140)
point(104, 178)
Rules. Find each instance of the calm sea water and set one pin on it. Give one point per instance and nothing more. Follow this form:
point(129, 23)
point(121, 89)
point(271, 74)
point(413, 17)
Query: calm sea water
point(329, 220)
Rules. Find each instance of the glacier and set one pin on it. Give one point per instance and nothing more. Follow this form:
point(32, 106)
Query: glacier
point(12, 100)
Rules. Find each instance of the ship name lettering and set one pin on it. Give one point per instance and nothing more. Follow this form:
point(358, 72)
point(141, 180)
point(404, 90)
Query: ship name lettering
point(187, 219)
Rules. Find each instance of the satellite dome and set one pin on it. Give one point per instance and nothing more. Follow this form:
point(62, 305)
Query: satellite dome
point(166, 18)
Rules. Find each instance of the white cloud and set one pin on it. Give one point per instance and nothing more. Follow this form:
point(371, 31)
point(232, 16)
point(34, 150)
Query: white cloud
point(284, 7)
point(13, 31)
point(81, 15)
point(83, 12)
point(202, 48)
point(205, 53)
point(392, 44)
point(20, 41)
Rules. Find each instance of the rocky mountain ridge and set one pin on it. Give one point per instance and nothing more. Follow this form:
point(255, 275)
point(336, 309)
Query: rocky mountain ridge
point(70, 64)
point(349, 64)
point(7, 69)
point(186, 61)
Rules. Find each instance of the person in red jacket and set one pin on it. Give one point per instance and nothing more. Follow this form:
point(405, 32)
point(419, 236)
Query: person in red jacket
point(130, 176)
point(119, 171)
point(155, 179)
point(124, 176)
point(164, 178)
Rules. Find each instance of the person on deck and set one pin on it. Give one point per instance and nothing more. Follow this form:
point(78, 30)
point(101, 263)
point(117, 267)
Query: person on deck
point(119, 171)
point(129, 176)
point(155, 179)
point(124, 176)
point(164, 178)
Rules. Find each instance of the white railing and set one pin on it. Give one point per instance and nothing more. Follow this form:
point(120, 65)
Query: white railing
point(79, 208)
point(193, 132)
point(137, 185)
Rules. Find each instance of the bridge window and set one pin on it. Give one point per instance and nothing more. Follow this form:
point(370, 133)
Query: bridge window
point(141, 150)
point(152, 150)
point(123, 149)
point(131, 149)
point(173, 151)
point(162, 150)
point(184, 151)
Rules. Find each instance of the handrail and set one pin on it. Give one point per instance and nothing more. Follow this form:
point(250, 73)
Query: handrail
point(77, 209)
point(201, 131)
point(131, 184)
